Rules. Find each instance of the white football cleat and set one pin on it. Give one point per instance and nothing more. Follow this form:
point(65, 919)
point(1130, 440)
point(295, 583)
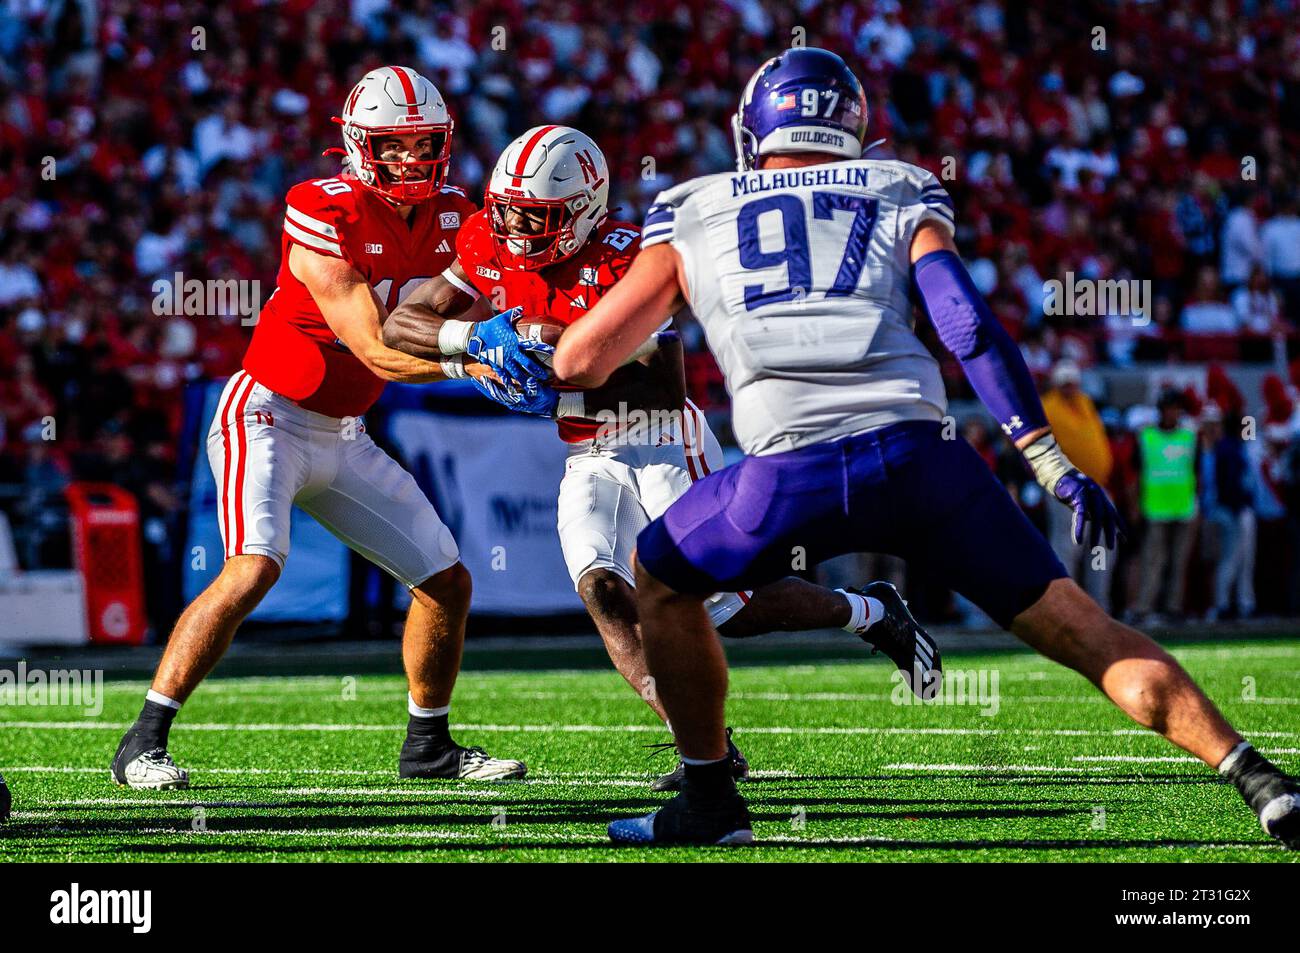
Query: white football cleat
point(154, 770)
point(477, 765)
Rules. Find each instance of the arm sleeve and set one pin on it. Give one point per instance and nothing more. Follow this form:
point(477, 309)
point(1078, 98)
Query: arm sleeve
point(992, 361)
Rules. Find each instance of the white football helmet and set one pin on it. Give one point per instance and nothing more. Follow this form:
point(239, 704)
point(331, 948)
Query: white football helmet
point(548, 193)
point(396, 100)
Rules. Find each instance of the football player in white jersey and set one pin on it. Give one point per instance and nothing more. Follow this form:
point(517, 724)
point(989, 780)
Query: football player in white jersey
point(546, 243)
point(799, 267)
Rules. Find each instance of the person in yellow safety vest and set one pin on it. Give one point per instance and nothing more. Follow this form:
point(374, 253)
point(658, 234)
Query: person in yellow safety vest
point(1082, 438)
point(1167, 499)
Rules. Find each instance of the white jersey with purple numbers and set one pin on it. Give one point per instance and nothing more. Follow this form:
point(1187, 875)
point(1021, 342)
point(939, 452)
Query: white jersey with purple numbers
point(800, 278)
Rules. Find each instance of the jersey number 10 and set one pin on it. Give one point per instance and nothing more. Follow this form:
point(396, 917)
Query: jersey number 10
point(795, 255)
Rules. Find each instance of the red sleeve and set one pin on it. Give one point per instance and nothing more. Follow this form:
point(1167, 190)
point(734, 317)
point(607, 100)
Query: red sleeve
point(474, 249)
point(318, 215)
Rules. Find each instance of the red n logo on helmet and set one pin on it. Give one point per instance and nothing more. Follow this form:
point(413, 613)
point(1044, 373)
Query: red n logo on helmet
point(588, 166)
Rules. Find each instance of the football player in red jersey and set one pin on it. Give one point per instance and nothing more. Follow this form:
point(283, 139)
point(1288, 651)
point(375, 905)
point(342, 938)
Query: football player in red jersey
point(289, 428)
point(545, 243)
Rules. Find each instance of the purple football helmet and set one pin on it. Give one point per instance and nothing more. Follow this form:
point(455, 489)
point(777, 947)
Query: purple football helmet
point(804, 100)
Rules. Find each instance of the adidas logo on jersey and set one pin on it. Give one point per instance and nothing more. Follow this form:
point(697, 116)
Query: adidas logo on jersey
point(579, 302)
point(443, 246)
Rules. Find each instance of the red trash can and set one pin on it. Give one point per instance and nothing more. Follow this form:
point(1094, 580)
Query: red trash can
point(106, 549)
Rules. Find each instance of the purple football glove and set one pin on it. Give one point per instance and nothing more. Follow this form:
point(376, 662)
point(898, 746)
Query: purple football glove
point(1093, 510)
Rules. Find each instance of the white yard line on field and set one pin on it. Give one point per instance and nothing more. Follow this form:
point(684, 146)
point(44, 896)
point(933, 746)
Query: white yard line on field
point(620, 729)
point(499, 833)
point(988, 768)
point(991, 845)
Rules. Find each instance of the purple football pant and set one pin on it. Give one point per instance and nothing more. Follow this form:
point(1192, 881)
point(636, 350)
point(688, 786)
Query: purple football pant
point(901, 489)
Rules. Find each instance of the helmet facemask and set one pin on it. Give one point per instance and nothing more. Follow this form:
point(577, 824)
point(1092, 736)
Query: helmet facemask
point(405, 182)
point(550, 236)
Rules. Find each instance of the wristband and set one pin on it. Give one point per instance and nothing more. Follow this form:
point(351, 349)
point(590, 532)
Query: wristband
point(572, 404)
point(453, 368)
point(453, 337)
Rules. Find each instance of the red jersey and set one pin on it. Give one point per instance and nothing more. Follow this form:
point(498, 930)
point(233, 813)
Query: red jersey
point(564, 291)
point(293, 351)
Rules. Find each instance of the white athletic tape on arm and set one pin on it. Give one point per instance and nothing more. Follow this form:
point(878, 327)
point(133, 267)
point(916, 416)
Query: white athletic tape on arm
point(453, 337)
point(1048, 462)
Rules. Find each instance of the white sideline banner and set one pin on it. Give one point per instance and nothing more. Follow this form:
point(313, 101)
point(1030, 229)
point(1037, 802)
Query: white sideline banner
point(495, 482)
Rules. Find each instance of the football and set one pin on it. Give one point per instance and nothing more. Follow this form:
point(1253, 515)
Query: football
point(540, 328)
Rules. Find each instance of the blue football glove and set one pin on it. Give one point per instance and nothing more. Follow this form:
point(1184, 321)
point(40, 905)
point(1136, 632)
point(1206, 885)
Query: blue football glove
point(542, 400)
point(495, 343)
point(1093, 511)
point(495, 391)
point(532, 397)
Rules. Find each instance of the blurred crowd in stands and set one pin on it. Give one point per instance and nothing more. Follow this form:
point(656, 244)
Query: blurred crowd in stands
point(1129, 141)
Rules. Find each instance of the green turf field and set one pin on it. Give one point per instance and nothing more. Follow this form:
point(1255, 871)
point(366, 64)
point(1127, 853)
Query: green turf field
point(291, 768)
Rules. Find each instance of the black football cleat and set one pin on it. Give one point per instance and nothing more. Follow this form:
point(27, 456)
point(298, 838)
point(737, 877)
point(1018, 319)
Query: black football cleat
point(724, 821)
point(1272, 795)
point(901, 637)
point(6, 800)
point(672, 781)
point(1275, 799)
point(1280, 817)
point(454, 763)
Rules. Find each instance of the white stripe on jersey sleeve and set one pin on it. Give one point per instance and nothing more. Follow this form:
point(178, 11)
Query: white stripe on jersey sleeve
point(312, 241)
point(314, 224)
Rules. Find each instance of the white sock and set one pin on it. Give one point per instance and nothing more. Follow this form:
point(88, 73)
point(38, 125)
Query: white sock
point(158, 698)
point(864, 611)
point(419, 712)
point(704, 760)
point(1230, 759)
